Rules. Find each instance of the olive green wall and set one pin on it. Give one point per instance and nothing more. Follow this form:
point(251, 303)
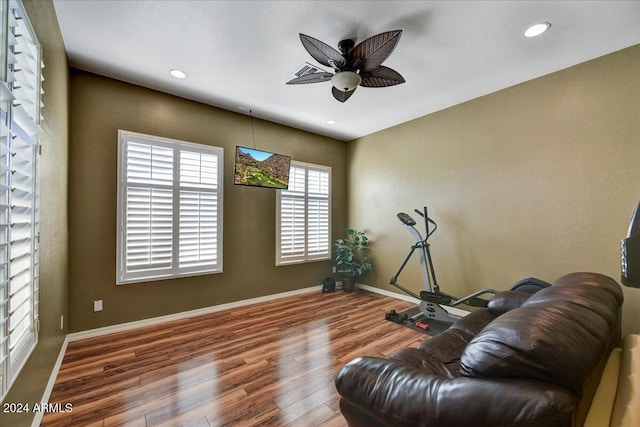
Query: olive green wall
point(539, 179)
point(99, 107)
point(31, 383)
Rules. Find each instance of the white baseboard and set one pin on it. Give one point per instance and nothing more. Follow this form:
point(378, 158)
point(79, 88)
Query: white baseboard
point(52, 381)
point(453, 311)
point(185, 314)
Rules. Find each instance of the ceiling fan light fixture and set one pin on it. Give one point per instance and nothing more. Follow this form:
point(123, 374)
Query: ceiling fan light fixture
point(537, 29)
point(346, 81)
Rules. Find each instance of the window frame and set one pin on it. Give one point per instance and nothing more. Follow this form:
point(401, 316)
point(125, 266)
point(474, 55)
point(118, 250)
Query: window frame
point(20, 109)
point(282, 260)
point(174, 271)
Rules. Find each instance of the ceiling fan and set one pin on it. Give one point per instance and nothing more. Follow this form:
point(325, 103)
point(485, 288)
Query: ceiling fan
point(354, 64)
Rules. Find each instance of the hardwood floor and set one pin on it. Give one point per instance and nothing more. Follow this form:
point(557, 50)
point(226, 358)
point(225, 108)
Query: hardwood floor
point(272, 363)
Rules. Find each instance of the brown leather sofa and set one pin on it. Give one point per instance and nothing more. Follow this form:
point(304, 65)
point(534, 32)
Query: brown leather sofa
point(525, 360)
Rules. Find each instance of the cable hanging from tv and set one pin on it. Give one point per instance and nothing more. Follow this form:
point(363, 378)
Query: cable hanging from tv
point(253, 133)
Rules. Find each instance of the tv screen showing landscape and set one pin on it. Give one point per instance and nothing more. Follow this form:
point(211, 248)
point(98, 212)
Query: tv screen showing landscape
point(261, 168)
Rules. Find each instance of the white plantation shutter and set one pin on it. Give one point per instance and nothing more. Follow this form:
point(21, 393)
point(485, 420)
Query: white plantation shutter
point(149, 208)
point(292, 216)
point(318, 213)
point(198, 209)
point(169, 208)
point(303, 215)
point(20, 104)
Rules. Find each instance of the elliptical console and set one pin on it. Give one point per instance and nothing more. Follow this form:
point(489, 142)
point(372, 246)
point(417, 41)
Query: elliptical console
point(406, 219)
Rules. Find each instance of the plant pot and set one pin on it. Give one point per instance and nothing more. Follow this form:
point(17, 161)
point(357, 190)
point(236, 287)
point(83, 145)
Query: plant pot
point(348, 283)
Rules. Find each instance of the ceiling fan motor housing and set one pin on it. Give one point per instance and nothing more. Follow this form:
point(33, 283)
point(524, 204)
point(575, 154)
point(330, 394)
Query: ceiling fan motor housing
point(345, 46)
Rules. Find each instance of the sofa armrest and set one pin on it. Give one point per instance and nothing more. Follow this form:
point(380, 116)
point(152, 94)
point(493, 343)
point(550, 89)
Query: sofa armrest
point(506, 300)
point(382, 392)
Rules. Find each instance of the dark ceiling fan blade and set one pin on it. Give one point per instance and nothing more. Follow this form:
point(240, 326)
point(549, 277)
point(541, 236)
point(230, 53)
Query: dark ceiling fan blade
point(382, 77)
point(311, 78)
point(340, 95)
point(322, 52)
point(372, 52)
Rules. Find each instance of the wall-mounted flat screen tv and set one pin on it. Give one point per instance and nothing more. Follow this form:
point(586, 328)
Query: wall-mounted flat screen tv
point(261, 168)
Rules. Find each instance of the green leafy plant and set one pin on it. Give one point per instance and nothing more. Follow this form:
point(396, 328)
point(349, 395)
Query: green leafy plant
point(351, 254)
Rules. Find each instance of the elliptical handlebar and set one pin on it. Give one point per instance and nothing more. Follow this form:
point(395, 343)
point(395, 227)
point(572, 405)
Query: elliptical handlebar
point(427, 220)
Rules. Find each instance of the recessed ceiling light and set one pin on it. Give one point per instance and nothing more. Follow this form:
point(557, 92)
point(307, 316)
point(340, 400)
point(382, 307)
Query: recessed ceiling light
point(331, 122)
point(178, 74)
point(537, 29)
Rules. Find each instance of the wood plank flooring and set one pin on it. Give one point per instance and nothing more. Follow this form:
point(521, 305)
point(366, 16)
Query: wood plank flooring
point(271, 363)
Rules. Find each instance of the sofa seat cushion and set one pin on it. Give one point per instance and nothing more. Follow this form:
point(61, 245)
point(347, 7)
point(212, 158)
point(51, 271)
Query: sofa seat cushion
point(445, 349)
point(379, 392)
point(440, 354)
point(558, 335)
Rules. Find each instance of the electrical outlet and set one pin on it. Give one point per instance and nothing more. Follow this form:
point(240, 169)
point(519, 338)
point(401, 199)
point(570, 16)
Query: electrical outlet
point(97, 305)
point(333, 269)
point(61, 321)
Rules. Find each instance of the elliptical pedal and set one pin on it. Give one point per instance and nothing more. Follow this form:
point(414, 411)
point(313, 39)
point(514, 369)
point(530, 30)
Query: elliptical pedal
point(477, 302)
point(396, 317)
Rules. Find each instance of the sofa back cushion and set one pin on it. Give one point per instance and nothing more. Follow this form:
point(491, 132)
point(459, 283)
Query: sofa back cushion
point(558, 335)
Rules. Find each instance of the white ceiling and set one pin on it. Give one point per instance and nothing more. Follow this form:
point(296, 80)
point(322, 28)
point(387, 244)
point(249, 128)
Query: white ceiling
point(239, 54)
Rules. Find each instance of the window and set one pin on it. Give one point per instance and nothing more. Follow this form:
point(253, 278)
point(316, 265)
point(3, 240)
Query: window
point(169, 208)
point(20, 104)
point(303, 215)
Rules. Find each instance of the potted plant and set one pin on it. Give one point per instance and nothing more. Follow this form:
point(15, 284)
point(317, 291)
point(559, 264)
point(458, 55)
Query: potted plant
point(351, 258)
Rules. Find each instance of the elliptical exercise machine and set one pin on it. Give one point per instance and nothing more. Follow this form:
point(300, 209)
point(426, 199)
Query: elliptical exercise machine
point(431, 298)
